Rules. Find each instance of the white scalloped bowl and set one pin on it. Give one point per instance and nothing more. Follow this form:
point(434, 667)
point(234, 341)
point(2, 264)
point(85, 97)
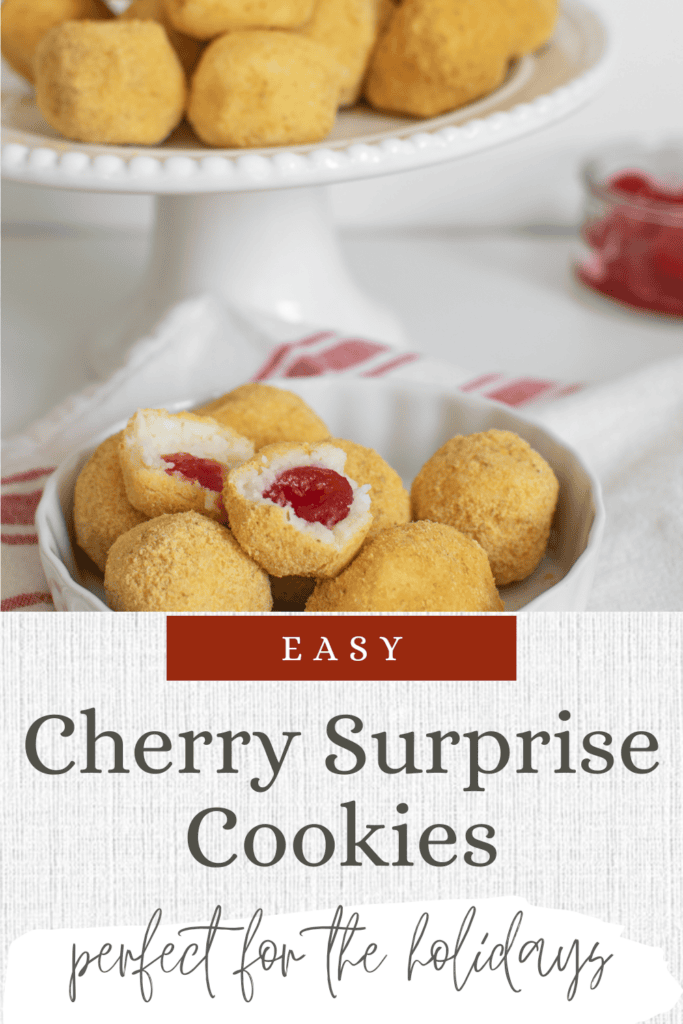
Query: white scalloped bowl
point(405, 424)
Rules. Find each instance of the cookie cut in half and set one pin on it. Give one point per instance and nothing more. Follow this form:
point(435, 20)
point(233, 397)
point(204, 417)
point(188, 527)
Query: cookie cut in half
point(390, 499)
point(293, 509)
point(177, 463)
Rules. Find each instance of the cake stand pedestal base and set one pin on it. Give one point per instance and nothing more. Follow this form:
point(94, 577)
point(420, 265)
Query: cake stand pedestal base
point(273, 251)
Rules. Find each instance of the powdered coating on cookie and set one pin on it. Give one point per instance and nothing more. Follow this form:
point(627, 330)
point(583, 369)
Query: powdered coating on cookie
point(183, 563)
point(418, 567)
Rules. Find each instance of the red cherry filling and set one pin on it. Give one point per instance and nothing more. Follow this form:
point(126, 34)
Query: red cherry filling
point(316, 494)
point(206, 472)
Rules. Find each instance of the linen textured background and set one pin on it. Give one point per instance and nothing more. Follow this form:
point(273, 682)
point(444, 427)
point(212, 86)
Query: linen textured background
point(86, 850)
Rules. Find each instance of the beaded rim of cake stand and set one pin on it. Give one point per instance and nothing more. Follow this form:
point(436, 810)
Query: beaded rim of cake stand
point(37, 159)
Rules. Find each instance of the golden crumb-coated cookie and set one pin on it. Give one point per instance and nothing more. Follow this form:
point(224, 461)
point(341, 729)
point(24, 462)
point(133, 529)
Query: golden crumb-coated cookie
point(534, 22)
point(418, 567)
point(389, 500)
point(349, 29)
point(495, 488)
point(206, 19)
point(276, 530)
point(113, 82)
point(183, 563)
point(102, 511)
point(266, 415)
point(295, 80)
point(437, 55)
point(177, 462)
point(187, 48)
point(25, 22)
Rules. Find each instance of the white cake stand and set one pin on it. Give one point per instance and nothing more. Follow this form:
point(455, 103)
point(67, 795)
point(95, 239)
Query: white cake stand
point(253, 226)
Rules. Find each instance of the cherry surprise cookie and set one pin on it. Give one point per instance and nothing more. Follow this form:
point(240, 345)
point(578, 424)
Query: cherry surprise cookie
point(534, 22)
point(206, 19)
point(437, 55)
point(266, 415)
point(183, 563)
point(113, 82)
point(348, 28)
point(293, 509)
point(102, 511)
point(296, 79)
point(390, 500)
point(25, 22)
point(307, 513)
point(496, 489)
point(178, 462)
point(418, 567)
point(188, 49)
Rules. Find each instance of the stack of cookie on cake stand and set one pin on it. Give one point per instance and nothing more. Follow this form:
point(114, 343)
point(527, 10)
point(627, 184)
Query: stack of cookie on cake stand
point(252, 226)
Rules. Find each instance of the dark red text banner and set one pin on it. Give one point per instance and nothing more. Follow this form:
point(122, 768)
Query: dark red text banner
point(321, 647)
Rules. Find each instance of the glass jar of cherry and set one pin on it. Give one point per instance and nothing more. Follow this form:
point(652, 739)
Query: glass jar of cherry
point(633, 227)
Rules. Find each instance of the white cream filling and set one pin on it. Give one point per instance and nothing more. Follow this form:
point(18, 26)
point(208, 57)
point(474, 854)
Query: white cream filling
point(252, 483)
point(155, 432)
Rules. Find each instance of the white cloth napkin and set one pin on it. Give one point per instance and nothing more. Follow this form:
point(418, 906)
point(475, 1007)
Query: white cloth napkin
point(631, 430)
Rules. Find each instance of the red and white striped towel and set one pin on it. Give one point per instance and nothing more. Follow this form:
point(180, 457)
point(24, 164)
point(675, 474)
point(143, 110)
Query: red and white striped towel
point(23, 583)
point(329, 352)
